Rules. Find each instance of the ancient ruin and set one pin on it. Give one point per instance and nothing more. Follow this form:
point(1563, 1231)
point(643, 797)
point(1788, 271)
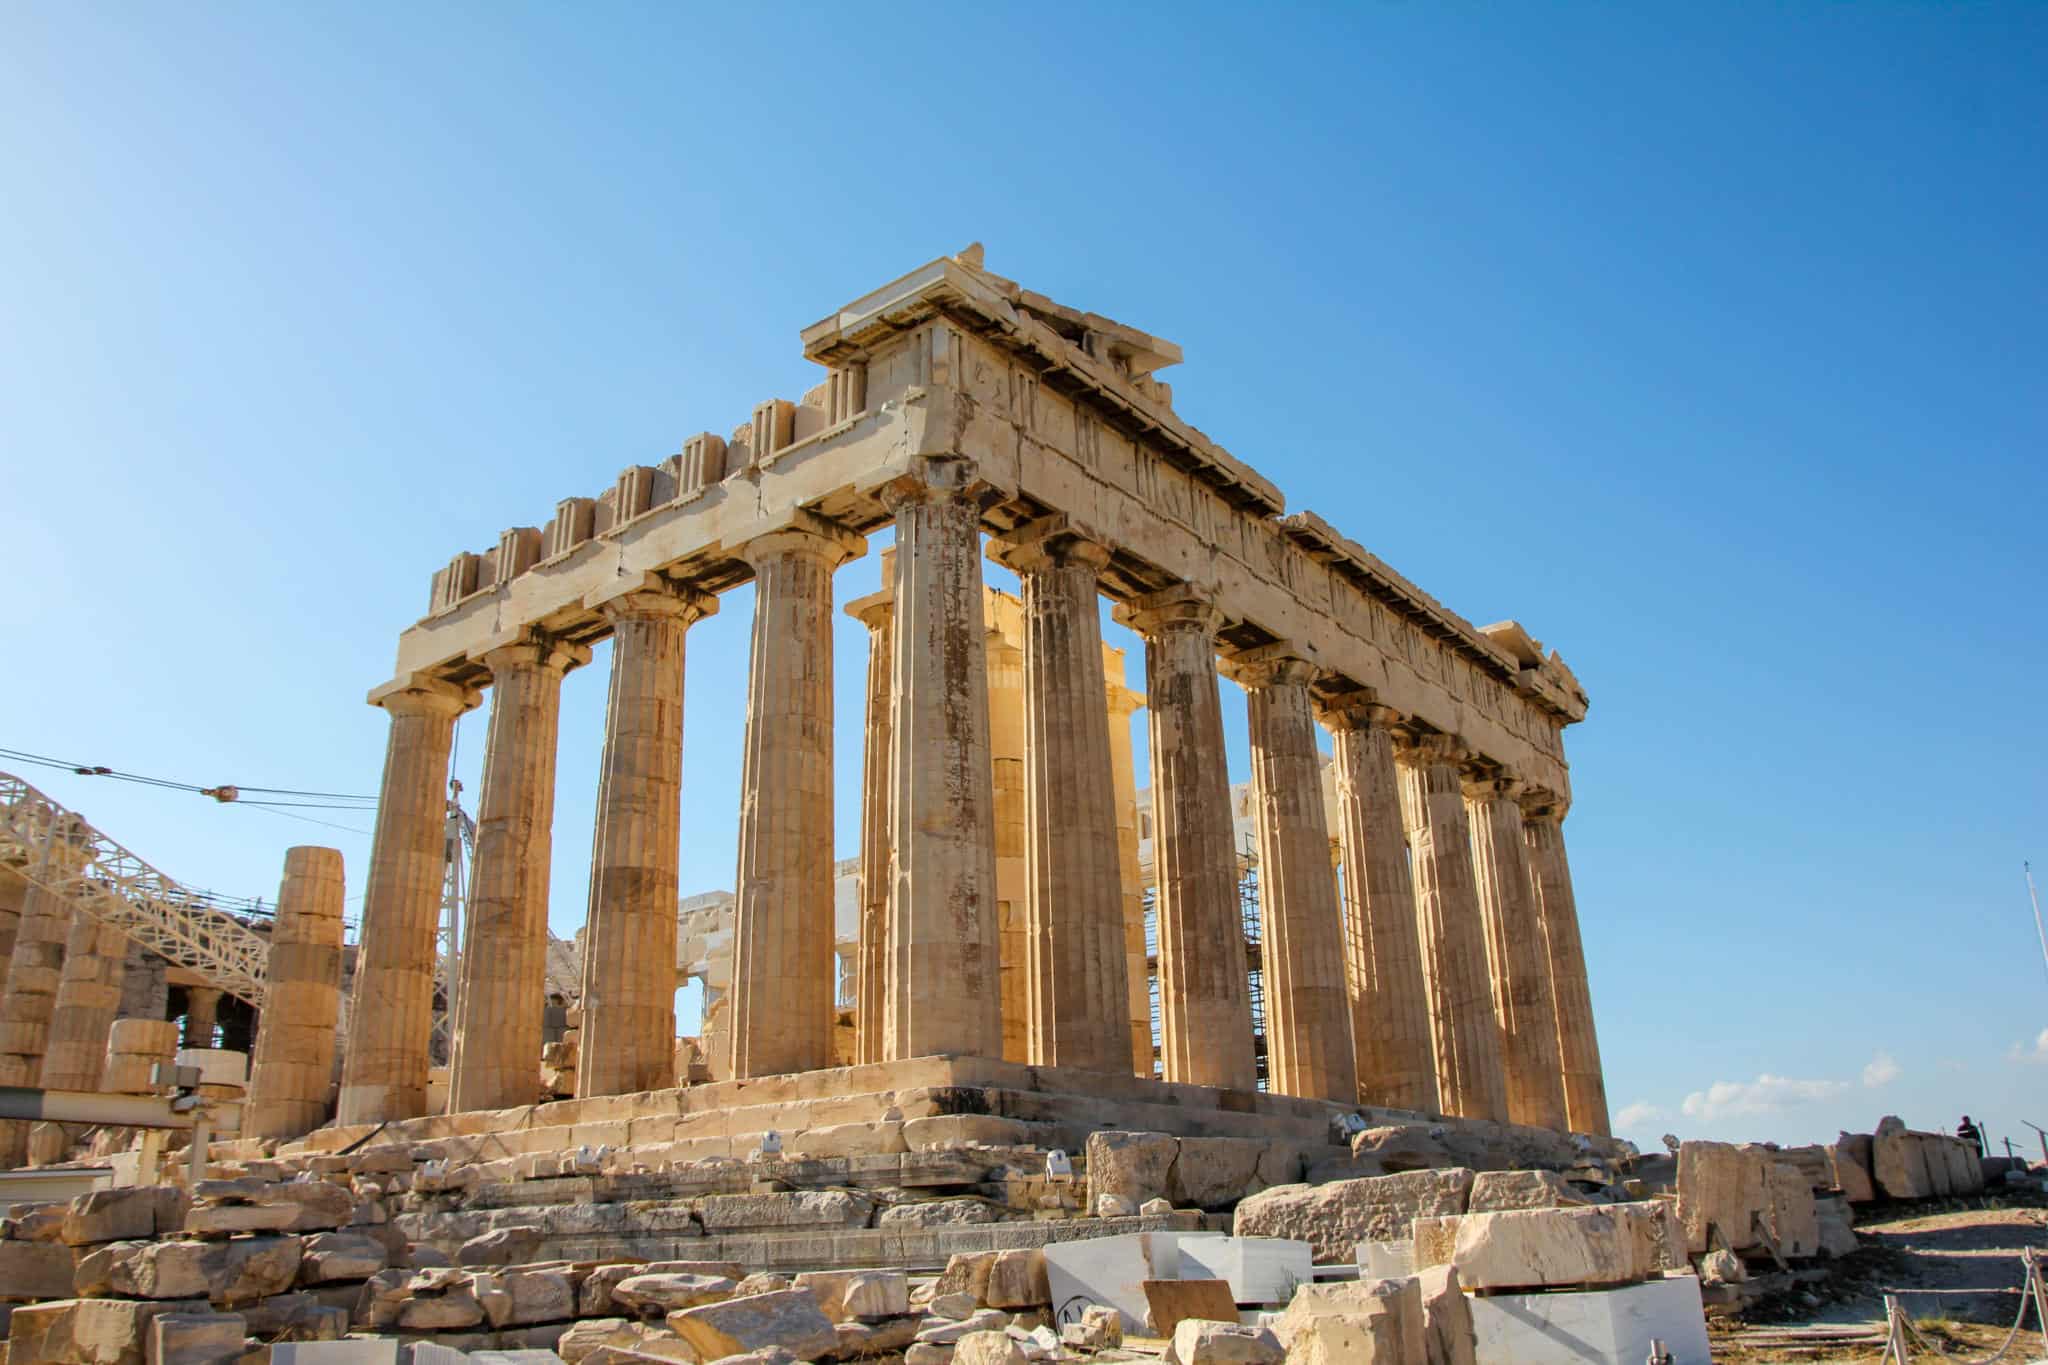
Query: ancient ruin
point(1445, 976)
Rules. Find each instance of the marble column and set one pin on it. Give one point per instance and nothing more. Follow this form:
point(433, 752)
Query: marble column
point(628, 1038)
point(1518, 960)
point(13, 895)
point(1389, 1005)
point(782, 975)
point(1204, 995)
point(293, 1069)
point(945, 987)
point(1585, 1084)
point(88, 999)
point(1074, 913)
point(1308, 1011)
point(1469, 1078)
point(391, 1012)
point(1122, 703)
point(1013, 878)
point(877, 612)
point(495, 1059)
point(202, 1016)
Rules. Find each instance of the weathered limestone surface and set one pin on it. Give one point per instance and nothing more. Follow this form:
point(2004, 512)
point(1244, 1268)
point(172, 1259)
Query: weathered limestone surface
point(878, 613)
point(1585, 1085)
point(202, 1016)
point(1356, 1322)
point(1334, 1218)
point(629, 955)
point(1470, 1079)
point(782, 989)
point(504, 958)
point(13, 896)
point(293, 1069)
point(88, 995)
point(1389, 1005)
point(1308, 1009)
point(1204, 1002)
point(1077, 994)
point(30, 994)
point(384, 1067)
point(1518, 958)
point(944, 986)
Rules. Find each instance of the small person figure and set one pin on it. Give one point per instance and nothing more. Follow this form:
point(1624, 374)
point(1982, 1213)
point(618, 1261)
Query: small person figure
point(1971, 1133)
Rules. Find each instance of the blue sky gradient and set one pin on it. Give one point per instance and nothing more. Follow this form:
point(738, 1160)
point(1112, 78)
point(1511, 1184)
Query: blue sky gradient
point(1706, 341)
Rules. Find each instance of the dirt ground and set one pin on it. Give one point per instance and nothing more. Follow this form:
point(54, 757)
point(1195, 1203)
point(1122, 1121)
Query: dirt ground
point(1955, 1268)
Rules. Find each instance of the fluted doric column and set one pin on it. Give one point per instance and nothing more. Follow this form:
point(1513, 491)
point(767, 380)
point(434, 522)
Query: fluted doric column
point(877, 612)
point(628, 1040)
point(391, 1013)
point(202, 1016)
point(1518, 961)
point(495, 1061)
point(1205, 1016)
point(1585, 1084)
point(1006, 777)
point(88, 999)
point(1470, 1082)
point(1389, 1004)
point(1308, 1012)
point(1074, 913)
point(294, 1064)
point(1122, 703)
point(944, 976)
point(782, 988)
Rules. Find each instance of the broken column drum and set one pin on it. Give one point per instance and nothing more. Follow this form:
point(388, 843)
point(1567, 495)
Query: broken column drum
point(958, 404)
point(293, 1069)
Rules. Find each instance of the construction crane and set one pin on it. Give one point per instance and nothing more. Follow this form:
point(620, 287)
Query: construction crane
point(57, 850)
point(458, 848)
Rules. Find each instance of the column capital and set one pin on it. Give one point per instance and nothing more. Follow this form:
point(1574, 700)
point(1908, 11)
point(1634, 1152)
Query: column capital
point(1280, 664)
point(1351, 708)
point(1050, 542)
point(1181, 607)
point(806, 533)
point(875, 611)
point(422, 694)
point(1430, 750)
point(649, 596)
point(1123, 700)
point(937, 478)
point(532, 649)
point(1540, 805)
point(1491, 784)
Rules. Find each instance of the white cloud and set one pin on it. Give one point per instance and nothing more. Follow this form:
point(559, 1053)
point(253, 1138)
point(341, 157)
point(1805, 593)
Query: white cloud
point(1639, 1113)
point(2038, 1053)
point(1883, 1070)
point(1724, 1099)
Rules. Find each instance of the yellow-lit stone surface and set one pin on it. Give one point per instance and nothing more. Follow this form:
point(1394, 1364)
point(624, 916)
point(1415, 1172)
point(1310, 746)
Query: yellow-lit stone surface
point(293, 1069)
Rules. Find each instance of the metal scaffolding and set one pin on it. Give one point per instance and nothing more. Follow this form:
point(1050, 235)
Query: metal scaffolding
point(57, 850)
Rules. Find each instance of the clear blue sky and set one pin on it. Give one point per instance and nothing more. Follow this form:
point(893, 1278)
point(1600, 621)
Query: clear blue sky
point(1704, 340)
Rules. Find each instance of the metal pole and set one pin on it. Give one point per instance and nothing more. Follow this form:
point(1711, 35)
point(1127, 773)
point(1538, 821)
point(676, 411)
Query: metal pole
point(201, 1136)
point(2035, 897)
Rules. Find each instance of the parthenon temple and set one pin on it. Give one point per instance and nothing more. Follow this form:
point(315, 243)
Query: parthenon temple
point(1418, 940)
